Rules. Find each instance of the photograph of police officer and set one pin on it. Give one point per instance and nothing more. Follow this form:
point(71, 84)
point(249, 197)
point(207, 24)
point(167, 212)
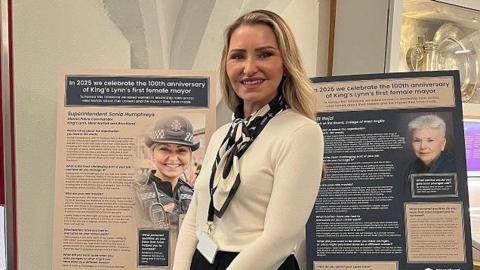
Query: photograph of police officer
point(163, 194)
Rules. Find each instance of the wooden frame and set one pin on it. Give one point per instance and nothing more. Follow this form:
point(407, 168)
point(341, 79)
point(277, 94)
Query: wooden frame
point(7, 167)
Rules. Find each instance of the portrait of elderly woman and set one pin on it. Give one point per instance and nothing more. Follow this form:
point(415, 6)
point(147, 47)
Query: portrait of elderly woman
point(428, 142)
point(163, 194)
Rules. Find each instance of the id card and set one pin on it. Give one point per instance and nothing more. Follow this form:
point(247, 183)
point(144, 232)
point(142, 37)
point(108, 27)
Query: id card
point(207, 247)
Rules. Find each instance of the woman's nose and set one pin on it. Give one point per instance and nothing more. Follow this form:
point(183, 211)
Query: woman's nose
point(172, 156)
point(250, 66)
point(423, 145)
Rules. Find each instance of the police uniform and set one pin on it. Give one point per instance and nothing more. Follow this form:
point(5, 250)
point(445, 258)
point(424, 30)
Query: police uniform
point(158, 202)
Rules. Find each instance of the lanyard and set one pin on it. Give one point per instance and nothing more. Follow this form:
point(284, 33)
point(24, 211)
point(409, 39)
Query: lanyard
point(237, 148)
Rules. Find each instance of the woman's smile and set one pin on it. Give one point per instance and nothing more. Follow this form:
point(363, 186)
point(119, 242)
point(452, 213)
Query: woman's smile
point(173, 165)
point(252, 82)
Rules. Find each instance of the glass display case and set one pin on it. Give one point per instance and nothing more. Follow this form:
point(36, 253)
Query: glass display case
point(436, 35)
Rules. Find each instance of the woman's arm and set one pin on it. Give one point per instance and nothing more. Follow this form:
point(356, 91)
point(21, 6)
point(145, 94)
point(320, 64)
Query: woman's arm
point(297, 175)
point(187, 239)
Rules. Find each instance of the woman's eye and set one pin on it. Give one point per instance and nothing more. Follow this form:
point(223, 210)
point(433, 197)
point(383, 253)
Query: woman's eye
point(236, 56)
point(265, 54)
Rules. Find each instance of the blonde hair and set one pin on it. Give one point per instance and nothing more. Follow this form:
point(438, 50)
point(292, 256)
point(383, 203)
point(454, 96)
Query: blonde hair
point(297, 90)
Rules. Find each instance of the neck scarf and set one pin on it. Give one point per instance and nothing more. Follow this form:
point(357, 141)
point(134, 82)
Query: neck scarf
point(225, 178)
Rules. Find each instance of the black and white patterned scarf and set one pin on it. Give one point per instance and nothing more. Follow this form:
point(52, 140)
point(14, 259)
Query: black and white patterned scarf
point(225, 178)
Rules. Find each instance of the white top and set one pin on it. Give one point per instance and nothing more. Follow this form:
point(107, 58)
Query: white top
point(280, 176)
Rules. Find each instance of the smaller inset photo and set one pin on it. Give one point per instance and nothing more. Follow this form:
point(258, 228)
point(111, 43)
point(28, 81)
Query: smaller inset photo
point(168, 162)
point(431, 166)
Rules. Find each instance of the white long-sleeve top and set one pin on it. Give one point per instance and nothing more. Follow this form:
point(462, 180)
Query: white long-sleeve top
point(280, 176)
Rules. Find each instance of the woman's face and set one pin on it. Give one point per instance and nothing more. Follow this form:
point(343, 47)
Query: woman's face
point(427, 144)
point(171, 160)
point(254, 65)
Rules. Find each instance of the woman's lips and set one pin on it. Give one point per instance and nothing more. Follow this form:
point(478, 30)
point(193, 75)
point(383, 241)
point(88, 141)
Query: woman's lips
point(251, 82)
point(172, 165)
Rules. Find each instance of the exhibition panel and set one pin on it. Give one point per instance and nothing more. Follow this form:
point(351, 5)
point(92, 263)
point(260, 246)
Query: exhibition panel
point(443, 35)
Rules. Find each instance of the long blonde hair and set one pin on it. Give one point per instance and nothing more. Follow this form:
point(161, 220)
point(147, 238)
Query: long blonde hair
point(298, 91)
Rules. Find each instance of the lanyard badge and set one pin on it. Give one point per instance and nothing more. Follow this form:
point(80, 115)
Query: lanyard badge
point(207, 245)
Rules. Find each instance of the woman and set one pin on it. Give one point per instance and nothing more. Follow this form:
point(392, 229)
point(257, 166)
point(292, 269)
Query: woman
point(261, 173)
point(163, 194)
point(428, 142)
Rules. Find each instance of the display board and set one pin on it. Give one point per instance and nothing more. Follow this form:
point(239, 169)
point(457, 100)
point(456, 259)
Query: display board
point(395, 192)
point(120, 136)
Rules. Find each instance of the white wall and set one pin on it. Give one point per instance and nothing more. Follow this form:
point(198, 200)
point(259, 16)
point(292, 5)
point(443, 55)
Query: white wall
point(50, 36)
